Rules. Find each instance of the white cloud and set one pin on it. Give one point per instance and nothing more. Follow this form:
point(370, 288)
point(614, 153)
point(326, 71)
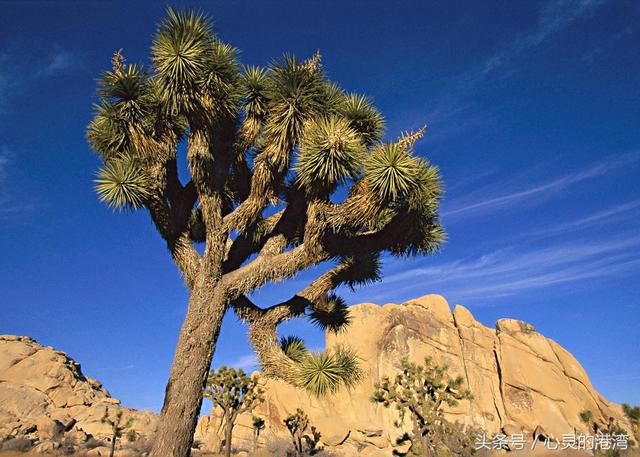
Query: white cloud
point(19, 70)
point(451, 114)
point(555, 16)
point(58, 61)
point(510, 271)
point(490, 199)
point(247, 363)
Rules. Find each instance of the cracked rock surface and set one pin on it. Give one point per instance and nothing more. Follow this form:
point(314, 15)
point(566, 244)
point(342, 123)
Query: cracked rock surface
point(520, 379)
point(46, 399)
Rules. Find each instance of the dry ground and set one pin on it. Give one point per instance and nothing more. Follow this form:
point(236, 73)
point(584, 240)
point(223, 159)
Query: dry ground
point(262, 453)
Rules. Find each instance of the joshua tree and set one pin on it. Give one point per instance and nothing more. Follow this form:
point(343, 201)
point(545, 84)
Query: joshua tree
point(117, 427)
point(258, 425)
point(234, 393)
point(297, 424)
point(286, 171)
point(421, 391)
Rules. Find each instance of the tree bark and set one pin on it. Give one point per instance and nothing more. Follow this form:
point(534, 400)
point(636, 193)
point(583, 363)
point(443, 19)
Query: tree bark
point(191, 363)
point(228, 434)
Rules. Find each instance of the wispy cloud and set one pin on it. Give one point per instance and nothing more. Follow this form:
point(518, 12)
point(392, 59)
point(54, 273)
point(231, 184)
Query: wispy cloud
point(555, 16)
point(9, 205)
point(490, 199)
point(510, 271)
point(19, 70)
point(58, 61)
point(451, 114)
point(613, 214)
point(591, 55)
point(248, 362)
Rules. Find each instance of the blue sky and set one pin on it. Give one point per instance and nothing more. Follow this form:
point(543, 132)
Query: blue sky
point(533, 112)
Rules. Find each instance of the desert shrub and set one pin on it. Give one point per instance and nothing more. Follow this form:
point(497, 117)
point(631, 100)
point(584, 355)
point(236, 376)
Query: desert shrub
point(276, 446)
point(419, 392)
point(303, 443)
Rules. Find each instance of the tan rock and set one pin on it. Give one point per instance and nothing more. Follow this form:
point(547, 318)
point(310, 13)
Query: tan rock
point(520, 379)
point(45, 396)
point(100, 451)
point(48, 429)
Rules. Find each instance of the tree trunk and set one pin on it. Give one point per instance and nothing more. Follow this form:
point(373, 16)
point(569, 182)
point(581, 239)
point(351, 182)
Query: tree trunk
point(113, 446)
point(191, 363)
point(228, 433)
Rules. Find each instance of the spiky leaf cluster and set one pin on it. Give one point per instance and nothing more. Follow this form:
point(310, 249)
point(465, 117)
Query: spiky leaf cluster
point(420, 392)
point(363, 117)
point(123, 183)
point(323, 373)
point(332, 315)
point(294, 348)
point(331, 152)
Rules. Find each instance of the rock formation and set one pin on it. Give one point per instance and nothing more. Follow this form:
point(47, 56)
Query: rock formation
point(47, 401)
point(520, 380)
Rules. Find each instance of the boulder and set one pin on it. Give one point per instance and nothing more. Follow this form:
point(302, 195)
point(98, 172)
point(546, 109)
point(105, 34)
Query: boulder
point(46, 399)
point(519, 379)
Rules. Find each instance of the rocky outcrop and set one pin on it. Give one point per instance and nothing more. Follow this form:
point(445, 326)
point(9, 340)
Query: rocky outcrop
point(521, 382)
point(46, 401)
point(519, 379)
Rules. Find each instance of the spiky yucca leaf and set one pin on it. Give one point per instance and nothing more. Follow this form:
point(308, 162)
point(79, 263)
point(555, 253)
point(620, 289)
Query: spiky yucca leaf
point(323, 373)
point(294, 348)
point(123, 183)
point(180, 54)
point(364, 268)
point(332, 314)
point(126, 84)
point(331, 152)
point(254, 91)
point(221, 80)
point(334, 95)
point(348, 360)
point(421, 232)
point(392, 172)
point(363, 116)
point(107, 132)
point(296, 93)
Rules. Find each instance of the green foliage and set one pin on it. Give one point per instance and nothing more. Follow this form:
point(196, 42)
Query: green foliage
point(420, 392)
point(323, 373)
point(123, 183)
point(362, 269)
point(363, 117)
point(304, 444)
point(331, 152)
point(393, 172)
point(117, 427)
point(234, 392)
point(258, 425)
point(632, 413)
point(586, 417)
point(332, 315)
point(294, 348)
